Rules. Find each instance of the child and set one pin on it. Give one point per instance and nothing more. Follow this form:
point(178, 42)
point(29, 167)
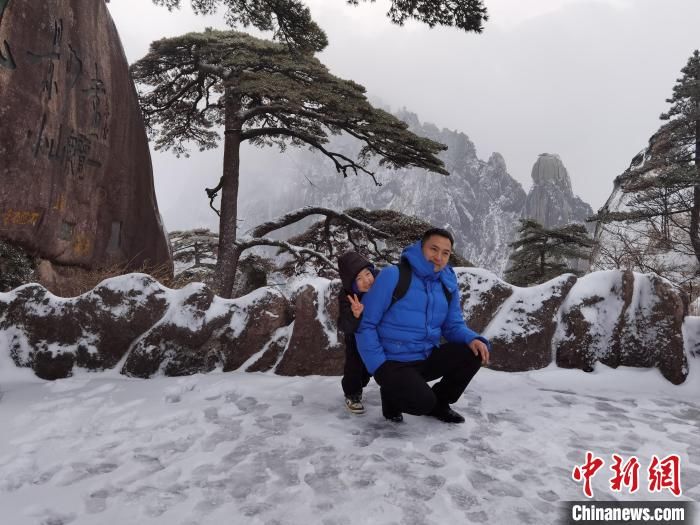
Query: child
point(357, 275)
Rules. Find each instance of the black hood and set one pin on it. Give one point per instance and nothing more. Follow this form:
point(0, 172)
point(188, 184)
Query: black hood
point(349, 265)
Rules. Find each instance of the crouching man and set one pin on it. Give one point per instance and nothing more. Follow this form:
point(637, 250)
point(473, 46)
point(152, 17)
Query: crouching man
point(409, 308)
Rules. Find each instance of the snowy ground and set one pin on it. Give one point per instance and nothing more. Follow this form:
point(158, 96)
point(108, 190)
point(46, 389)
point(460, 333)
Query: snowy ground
point(262, 449)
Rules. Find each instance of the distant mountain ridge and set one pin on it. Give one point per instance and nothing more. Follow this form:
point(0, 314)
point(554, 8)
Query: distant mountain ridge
point(479, 201)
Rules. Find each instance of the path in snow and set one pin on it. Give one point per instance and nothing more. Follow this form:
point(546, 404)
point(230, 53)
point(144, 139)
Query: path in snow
point(263, 449)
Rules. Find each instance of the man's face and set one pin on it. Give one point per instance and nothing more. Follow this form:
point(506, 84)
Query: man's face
point(437, 249)
point(364, 280)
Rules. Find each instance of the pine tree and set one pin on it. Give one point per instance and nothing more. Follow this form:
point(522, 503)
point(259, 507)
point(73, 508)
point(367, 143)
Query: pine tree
point(264, 93)
point(290, 20)
point(682, 166)
point(670, 198)
point(540, 254)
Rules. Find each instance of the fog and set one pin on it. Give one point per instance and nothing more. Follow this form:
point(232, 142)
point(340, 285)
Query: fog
point(584, 79)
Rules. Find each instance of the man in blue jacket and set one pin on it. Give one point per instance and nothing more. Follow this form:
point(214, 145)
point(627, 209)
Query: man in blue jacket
point(400, 342)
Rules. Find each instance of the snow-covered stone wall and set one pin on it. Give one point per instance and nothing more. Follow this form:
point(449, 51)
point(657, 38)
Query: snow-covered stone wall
point(133, 323)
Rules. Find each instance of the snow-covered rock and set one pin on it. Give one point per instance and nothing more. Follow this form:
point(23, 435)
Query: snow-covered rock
point(200, 332)
point(314, 346)
point(521, 332)
point(616, 318)
point(623, 318)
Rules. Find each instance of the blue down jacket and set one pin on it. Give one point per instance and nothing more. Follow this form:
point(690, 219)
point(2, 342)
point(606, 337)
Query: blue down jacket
point(412, 327)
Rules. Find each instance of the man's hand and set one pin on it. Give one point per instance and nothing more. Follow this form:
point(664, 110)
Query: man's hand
point(480, 350)
point(356, 306)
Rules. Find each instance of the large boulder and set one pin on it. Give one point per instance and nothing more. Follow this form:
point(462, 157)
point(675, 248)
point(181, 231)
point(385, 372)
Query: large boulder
point(649, 333)
point(622, 318)
point(72, 131)
point(51, 335)
point(521, 332)
point(201, 331)
point(314, 346)
point(482, 293)
point(589, 317)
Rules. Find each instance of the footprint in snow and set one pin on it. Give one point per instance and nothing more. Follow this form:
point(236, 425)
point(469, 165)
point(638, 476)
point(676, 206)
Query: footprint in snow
point(505, 489)
point(223, 435)
point(426, 488)
point(477, 517)
point(441, 448)
point(461, 497)
point(50, 517)
point(296, 399)
point(548, 495)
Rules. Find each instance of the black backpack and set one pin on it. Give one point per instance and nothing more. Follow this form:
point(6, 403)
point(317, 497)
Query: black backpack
point(405, 275)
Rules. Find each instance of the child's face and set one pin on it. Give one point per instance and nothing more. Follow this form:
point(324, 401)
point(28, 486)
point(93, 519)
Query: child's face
point(364, 280)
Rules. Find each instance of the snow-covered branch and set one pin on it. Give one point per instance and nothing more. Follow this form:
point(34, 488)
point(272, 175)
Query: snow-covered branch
point(297, 215)
point(296, 251)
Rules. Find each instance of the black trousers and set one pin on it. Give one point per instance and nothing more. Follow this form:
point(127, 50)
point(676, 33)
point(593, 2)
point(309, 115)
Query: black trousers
point(404, 386)
point(355, 375)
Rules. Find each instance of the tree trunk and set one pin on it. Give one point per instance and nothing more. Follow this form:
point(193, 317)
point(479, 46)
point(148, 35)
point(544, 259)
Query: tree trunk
point(543, 258)
point(695, 211)
point(227, 260)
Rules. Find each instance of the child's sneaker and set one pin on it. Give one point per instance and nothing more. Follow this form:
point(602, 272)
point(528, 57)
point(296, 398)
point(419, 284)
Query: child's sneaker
point(354, 404)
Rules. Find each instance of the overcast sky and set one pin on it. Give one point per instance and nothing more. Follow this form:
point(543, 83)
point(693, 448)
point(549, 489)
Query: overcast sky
point(586, 79)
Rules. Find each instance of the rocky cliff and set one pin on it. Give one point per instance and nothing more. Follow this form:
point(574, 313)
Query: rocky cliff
point(551, 200)
point(657, 245)
point(76, 186)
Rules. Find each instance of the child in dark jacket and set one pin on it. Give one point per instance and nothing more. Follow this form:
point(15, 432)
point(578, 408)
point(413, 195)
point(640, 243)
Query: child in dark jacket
point(357, 275)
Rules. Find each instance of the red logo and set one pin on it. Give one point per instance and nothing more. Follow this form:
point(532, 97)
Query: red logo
point(663, 474)
point(626, 475)
point(586, 472)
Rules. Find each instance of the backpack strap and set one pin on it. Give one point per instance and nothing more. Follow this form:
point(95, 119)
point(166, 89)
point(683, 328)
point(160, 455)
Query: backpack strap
point(405, 275)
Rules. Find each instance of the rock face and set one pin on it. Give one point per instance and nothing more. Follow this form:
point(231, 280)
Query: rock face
point(521, 333)
point(76, 184)
point(641, 246)
point(623, 319)
point(482, 295)
point(200, 332)
point(93, 331)
point(551, 201)
point(615, 318)
point(314, 347)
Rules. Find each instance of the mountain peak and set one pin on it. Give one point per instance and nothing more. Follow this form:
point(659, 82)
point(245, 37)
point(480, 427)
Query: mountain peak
point(497, 161)
point(551, 201)
point(549, 169)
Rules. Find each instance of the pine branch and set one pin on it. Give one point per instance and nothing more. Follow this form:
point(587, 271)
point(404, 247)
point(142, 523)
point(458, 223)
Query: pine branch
point(297, 251)
point(297, 215)
point(312, 141)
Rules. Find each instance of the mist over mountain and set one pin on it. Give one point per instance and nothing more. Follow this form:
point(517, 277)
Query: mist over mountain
point(480, 202)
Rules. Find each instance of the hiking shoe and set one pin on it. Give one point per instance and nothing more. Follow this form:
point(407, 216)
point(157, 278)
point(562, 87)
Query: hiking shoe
point(354, 404)
point(396, 418)
point(446, 414)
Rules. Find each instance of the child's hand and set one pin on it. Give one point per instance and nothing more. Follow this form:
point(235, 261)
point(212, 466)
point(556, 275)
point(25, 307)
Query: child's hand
point(356, 306)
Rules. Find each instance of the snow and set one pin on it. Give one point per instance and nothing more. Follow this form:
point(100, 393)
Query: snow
point(516, 317)
point(323, 288)
point(598, 297)
point(262, 449)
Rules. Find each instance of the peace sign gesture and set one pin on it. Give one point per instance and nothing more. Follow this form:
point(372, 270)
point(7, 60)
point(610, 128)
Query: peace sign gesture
point(355, 305)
